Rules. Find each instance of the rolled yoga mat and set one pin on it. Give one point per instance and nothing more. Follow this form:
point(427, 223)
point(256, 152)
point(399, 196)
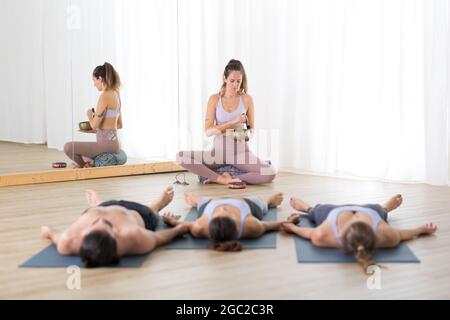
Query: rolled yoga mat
point(266, 241)
point(50, 258)
point(309, 253)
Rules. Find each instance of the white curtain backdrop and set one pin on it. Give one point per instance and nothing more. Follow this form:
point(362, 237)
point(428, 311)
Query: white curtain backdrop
point(437, 91)
point(22, 106)
point(146, 46)
point(341, 87)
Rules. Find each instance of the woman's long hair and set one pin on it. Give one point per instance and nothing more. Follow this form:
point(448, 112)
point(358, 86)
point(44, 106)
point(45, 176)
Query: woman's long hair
point(109, 75)
point(223, 235)
point(359, 240)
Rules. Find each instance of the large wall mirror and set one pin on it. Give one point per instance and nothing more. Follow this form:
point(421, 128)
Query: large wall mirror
point(48, 86)
point(170, 56)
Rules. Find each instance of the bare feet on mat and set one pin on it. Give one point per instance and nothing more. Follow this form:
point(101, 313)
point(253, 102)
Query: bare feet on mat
point(299, 204)
point(393, 203)
point(275, 200)
point(164, 199)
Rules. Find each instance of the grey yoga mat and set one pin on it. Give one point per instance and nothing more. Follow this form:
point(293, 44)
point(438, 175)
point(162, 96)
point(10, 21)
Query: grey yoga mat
point(308, 253)
point(266, 241)
point(50, 258)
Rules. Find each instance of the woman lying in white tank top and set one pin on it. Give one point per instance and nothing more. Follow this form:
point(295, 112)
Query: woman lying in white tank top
point(357, 229)
point(226, 220)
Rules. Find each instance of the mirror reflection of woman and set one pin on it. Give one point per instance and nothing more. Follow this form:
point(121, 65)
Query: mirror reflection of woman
point(104, 121)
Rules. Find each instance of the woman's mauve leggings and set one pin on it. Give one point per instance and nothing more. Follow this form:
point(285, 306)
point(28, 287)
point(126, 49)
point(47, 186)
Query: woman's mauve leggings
point(106, 142)
point(226, 151)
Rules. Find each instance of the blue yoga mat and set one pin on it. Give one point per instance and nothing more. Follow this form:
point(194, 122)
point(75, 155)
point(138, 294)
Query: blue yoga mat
point(309, 253)
point(266, 241)
point(50, 258)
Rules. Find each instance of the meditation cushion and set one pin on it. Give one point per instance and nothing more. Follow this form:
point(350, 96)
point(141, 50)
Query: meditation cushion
point(110, 159)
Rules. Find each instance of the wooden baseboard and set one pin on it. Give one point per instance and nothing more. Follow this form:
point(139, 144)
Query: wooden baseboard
point(87, 173)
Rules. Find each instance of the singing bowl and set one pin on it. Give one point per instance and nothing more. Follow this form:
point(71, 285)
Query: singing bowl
point(85, 126)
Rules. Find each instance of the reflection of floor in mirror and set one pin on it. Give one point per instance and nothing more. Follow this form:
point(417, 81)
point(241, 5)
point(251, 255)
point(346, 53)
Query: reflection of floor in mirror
point(204, 274)
point(19, 157)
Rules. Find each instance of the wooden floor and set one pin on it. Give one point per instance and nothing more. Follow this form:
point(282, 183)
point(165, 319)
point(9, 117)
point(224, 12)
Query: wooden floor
point(204, 274)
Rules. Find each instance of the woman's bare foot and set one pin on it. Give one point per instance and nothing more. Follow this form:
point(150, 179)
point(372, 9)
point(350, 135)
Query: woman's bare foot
point(170, 219)
point(88, 162)
point(393, 203)
point(226, 178)
point(164, 199)
point(191, 199)
point(299, 204)
point(92, 198)
point(275, 200)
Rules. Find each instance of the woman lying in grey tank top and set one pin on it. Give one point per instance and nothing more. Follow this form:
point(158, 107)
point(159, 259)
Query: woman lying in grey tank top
point(357, 229)
point(226, 220)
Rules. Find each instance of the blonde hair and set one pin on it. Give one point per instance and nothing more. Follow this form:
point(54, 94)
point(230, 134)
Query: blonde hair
point(109, 75)
point(359, 240)
point(234, 65)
